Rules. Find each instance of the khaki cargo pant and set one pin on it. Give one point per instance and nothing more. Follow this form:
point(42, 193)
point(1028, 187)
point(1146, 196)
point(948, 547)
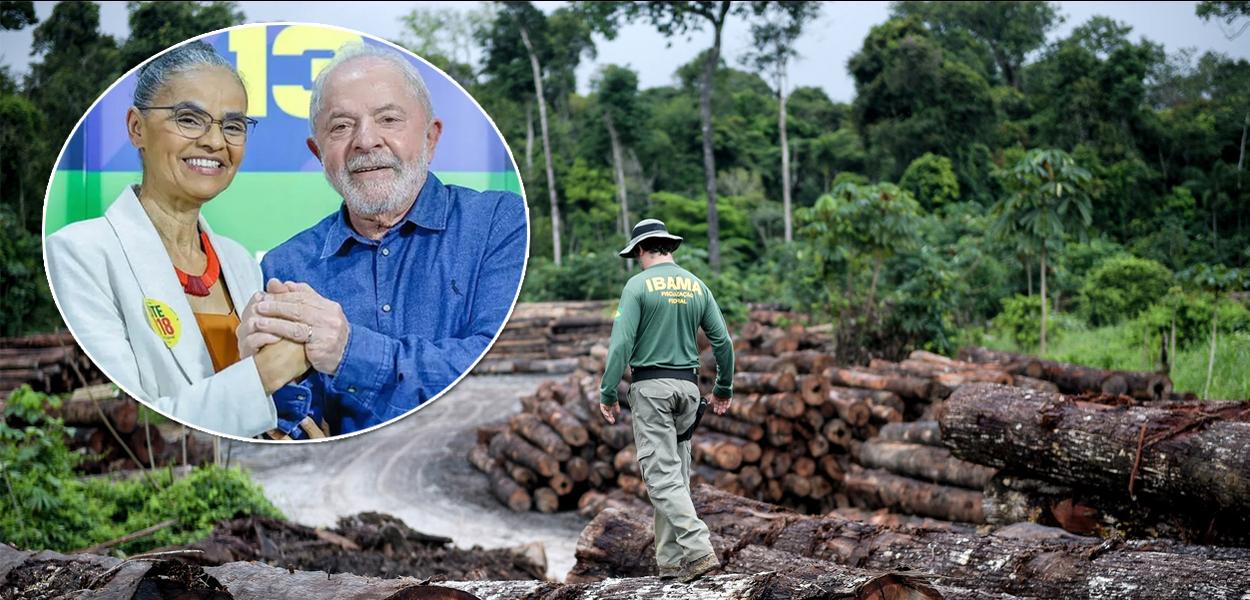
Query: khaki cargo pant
point(662, 408)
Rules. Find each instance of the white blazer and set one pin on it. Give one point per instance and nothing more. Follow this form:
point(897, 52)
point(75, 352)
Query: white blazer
point(115, 285)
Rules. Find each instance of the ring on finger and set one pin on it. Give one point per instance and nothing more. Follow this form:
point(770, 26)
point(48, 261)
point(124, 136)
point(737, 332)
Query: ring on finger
point(308, 338)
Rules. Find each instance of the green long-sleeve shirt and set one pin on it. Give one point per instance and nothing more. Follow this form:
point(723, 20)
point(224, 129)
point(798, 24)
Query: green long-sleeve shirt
point(661, 311)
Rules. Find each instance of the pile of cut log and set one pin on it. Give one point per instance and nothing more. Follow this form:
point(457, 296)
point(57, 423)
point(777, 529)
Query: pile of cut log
point(1024, 560)
point(819, 438)
point(548, 337)
point(49, 362)
point(789, 436)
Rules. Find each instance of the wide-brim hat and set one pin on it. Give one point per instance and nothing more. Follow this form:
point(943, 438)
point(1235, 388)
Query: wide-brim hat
point(645, 229)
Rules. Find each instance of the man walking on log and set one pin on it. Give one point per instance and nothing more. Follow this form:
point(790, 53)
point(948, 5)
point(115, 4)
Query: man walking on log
point(661, 311)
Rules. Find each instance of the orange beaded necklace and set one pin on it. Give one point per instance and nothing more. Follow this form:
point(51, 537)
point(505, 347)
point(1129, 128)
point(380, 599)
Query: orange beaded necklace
point(199, 285)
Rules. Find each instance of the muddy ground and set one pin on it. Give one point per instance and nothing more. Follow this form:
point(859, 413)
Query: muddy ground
point(415, 469)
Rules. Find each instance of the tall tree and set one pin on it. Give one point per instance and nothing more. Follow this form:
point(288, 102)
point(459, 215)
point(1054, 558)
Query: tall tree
point(444, 35)
point(684, 18)
point(526, 49)
point(75, 63)
point(913, 97)
point(774, 39)
point(542, 122)
point(1048, 200)
point(1008, 30)
point(616, 93)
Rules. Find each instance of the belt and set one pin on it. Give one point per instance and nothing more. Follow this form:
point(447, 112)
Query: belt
point(645, 373)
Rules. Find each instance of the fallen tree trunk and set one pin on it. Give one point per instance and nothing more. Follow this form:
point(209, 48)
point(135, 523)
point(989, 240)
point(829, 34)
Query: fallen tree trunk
point(569, 428)
point(510, 446)
point(533, 428)
point(1185, 456)
point(1009, 498)
point(734, 427)
point(930, 463)
point(764, 383)
point(1025, 559)
point(809, 361)
point(908, 387)
point(1076, 379)
point(928, 433)
point(618, 544)
point(881, 489)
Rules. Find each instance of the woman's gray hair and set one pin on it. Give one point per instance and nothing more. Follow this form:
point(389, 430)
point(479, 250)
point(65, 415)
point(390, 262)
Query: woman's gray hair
point(355, 50)
point(155, 75)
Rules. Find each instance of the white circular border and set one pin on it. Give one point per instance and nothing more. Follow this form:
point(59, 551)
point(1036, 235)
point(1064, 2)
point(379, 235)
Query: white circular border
point(515, 168)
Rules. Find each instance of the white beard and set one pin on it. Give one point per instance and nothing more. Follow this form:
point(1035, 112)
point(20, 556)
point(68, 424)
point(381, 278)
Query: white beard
point(373, 198)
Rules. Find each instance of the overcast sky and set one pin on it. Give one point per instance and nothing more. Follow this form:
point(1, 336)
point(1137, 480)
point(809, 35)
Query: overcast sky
point(824, 48)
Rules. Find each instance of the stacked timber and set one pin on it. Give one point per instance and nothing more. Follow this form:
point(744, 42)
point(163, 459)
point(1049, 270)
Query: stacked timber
point(548, 337)
point(817, 437)
point(49, 362)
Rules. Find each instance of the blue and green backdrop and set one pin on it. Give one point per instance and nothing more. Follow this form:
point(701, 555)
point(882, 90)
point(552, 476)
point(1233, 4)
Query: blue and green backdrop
point(280, 189)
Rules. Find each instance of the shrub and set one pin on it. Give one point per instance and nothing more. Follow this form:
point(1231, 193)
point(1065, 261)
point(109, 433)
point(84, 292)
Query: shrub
point(1020, 321)
point(46, 504)
point(1122, 287)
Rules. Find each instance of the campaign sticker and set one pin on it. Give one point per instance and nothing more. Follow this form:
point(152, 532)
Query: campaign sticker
point(164, 321)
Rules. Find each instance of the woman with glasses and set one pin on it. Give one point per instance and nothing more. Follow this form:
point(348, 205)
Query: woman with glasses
point(149, 291)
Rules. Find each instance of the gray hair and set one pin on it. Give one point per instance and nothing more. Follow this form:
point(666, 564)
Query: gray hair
point(155, 75)
point(354, 50)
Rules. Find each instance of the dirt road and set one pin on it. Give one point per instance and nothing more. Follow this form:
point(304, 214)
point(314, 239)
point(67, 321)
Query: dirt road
point(416, 470)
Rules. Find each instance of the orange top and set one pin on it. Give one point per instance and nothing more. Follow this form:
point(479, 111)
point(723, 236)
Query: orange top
point(218, 331)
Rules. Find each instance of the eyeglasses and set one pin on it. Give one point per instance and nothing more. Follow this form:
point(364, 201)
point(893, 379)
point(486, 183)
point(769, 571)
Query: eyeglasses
point(194, 123)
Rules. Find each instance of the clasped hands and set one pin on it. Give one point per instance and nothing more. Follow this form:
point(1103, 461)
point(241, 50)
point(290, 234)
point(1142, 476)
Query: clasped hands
point(295, 312)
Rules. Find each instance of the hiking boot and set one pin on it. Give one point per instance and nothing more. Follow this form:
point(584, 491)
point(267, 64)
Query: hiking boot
point(698, 568)
point(669, 572)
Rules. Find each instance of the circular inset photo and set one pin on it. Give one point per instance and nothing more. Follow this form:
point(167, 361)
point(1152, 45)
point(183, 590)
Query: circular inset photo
point(285, 231)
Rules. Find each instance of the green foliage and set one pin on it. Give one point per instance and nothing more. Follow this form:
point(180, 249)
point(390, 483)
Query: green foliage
point(922, 305)
point(1047, 200)
point(591, 195)
point(24, 295)
point(16, 15)
point(931, 180)
point(1018, 322)
point(912, 97)
point(155, 26)
point(1120, 287)
point(207, 495)
point(585, 276)
point(1190, 313)
point(687, 217)
point(1228, 11)
point(46, 505)
point(444, 36)
point(996, 34)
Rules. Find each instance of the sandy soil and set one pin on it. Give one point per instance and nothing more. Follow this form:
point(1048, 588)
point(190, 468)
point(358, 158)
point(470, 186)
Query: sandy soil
point(416, 470)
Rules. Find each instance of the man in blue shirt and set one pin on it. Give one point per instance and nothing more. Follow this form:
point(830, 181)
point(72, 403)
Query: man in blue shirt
point(396, 294)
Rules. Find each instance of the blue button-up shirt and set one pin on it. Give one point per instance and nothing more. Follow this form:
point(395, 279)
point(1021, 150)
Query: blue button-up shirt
point(423, 302)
